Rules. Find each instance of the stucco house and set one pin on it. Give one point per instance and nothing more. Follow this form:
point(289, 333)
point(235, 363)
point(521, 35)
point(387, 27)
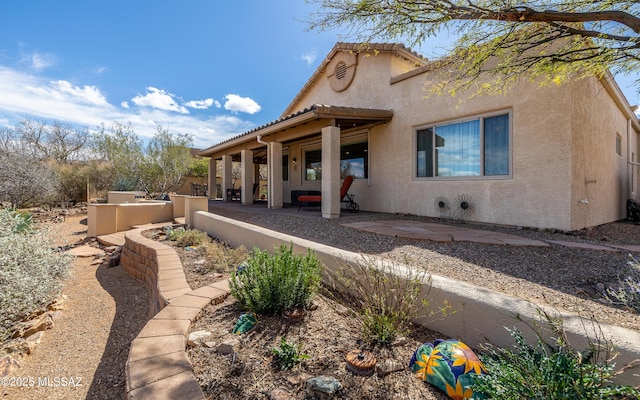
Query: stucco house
point(562, 157)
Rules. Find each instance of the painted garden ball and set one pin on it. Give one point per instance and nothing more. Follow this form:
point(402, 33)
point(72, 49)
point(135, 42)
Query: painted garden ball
point(449, 365)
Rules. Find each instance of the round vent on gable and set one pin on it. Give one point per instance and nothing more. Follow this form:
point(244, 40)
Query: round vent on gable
point(343, 70)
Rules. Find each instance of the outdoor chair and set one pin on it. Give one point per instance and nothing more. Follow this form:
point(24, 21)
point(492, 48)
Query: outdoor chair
point(344, 196)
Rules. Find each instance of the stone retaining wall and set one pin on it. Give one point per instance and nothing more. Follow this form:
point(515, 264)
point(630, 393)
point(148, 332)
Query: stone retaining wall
point(158, 366)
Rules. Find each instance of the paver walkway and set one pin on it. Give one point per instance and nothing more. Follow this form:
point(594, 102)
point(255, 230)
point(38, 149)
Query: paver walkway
point(441, 233)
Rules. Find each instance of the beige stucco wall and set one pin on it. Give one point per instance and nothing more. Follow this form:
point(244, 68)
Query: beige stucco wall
point(120, 197)
point(561, 135)
point(601, 183)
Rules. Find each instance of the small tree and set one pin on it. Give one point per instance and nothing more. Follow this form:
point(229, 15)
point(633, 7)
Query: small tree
point(157, 167)
point(550, 41)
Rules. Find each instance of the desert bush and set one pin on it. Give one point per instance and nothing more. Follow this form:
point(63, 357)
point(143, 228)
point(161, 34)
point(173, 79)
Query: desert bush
point(31, 272)
point(192, 237)
point(222, 258)
point(187, 237)
point(385, 296)
point(626, 293)
point(550, 369)
point(289, 354)
point(270, 284)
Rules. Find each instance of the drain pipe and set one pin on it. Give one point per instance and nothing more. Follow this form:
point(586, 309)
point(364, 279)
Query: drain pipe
point(269, 180)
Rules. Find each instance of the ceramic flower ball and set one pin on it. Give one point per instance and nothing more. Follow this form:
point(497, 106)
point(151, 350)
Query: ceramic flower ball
point(450, 365)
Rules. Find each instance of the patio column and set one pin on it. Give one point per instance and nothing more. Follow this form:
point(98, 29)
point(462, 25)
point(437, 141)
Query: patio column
point(247, 176)
point(227, 183)
point(330, 172)
point(212, 181)
point(274, 175)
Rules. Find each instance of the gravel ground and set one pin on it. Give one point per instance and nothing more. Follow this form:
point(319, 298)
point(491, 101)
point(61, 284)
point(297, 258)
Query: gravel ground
point(559, 276)
point(83, 356)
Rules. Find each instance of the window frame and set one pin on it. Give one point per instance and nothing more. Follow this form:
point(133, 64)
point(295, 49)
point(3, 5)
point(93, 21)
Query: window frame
point(346, 139)
point(475, 117)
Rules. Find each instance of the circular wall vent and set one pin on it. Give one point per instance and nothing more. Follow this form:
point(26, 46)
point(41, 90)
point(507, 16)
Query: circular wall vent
point(341, 70)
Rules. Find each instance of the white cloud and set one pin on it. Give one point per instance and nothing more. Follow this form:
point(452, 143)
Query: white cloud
point(158, 98)
point(88, 94)
point(100, 70)
point(39, 61)
point(236, 103)
point(33, 96)
point(199, 104)
point(310, 57)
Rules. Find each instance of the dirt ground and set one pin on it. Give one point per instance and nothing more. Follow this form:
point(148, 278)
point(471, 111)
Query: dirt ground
point(84, 354)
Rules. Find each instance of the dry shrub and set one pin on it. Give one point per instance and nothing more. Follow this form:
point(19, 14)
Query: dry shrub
point(222, 258)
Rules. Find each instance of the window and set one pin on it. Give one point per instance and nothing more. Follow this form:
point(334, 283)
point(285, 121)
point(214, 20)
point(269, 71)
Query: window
point(285, 167)
point(478, 147)
point(313, 164)
point(354, 160)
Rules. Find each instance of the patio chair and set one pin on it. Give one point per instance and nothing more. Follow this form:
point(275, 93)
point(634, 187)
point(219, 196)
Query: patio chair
point(344, 196)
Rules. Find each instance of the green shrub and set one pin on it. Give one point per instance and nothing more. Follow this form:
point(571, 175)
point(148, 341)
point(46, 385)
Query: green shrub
point(31, 272)
point(385, 296)
point(550, 370)
point(289, 354)
point(627, 291)
point(270, 284)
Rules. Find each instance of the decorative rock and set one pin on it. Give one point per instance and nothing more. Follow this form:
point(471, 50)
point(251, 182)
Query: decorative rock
point(54, 315)
point(34, 340)
point(361, 362)
point(324, 387)
point(388, 366)
point(229, 346)
point(297, 378)
point(196, 337)
point(42, 323)
point(8, 365)
point(57, 304)
point(86, 251)
point(210, 345)
point(293, 316)
point(279, 394)
point(114, 260)
point(199, 262)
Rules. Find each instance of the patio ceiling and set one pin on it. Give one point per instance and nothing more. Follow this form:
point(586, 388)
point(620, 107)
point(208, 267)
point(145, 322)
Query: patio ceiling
point(346, 118)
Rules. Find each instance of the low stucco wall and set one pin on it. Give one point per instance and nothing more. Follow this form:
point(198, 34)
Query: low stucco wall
point(479, 313)
point(117, 197)
point(130, 215)
point(104, 219)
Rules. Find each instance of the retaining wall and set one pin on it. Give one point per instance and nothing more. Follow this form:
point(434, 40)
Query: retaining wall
point(480, 314)
point(158, 366)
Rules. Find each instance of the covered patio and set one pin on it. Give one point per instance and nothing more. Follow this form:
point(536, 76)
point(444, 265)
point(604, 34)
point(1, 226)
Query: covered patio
point(270, 144)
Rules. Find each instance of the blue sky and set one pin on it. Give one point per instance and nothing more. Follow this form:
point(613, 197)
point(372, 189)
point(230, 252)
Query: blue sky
point(210, 68)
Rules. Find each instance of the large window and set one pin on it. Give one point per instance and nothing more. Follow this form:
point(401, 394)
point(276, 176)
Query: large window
point(354, 160)
point(477, 147)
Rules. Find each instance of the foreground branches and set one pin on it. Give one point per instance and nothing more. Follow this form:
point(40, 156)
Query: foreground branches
point(550, 41)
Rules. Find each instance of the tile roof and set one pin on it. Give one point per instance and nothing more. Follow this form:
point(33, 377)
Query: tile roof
point(316, 111)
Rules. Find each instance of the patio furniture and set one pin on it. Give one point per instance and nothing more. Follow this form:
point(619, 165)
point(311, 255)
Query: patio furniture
point(236, 194)
point(344, 196)
point(199, 190)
